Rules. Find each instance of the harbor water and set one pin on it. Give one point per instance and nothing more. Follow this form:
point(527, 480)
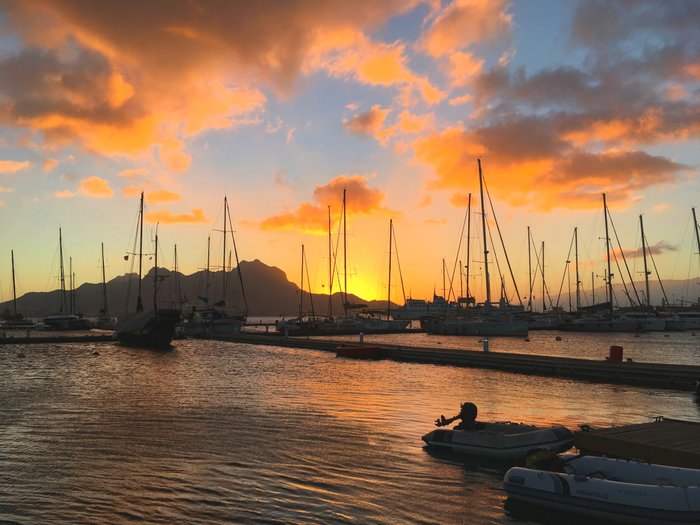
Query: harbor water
point(217, 432)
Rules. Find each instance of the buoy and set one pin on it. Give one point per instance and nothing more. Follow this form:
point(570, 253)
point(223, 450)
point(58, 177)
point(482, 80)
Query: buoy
point(95, 353)
point(557, 338)
point(20, 355)
point(527, 339)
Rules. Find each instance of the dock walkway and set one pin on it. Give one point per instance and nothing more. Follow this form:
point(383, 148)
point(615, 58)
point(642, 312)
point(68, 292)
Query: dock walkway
point(676, 377)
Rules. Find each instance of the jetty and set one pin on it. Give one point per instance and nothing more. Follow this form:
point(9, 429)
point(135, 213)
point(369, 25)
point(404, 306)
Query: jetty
point(50, 339)
point(664, 441)
point(657, 375)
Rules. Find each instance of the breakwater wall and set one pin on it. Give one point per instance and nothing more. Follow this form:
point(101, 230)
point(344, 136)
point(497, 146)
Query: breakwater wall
point(676, 377)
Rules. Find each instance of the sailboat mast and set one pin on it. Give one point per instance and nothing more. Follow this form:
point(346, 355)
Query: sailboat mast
point(71, 298)
point(388, 296)
point(444, 285)
point(104, 282)
point(223, 264)
point(697, 229)
point(301, 290)
point(469, 238)
point(64, 304)
point(330, 266)
point(483, 227)
point(544, 286)
point(139, 301)
point(345, 255)
point(644, 254)
point(14, 287)
point(529, 270)
point(155, 275)
point(578, 279)
point(206, 275)
point(607, 250)
point(177, 281)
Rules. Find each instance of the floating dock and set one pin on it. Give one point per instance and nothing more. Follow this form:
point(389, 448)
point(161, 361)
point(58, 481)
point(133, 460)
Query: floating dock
point(49, 339)
point(664, 441)
point(676, 377)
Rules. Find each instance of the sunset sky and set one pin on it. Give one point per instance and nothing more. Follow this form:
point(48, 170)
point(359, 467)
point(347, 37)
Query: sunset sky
point(280, 105)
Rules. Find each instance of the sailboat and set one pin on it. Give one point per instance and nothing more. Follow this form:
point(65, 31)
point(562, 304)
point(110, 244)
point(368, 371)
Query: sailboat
point(485, 319)
point(147, 329)
point(65, 319)
point(216, 320)
point(364, 322)
point(104, 320)
point(16, 319)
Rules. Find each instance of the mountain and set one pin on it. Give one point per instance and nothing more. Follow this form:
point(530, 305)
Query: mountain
point(268, 293)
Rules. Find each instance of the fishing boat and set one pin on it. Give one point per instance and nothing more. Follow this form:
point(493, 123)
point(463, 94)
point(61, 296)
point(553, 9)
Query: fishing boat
point(500, 440)
point(147, 329)
point(611, 489)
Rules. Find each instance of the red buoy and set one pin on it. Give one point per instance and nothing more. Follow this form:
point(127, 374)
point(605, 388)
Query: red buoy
point(615, 353)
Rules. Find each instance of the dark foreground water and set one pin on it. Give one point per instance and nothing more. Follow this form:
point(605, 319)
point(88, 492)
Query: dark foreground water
point(228, 433)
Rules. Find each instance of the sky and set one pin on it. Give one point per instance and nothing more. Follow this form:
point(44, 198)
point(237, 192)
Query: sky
point(281, 106)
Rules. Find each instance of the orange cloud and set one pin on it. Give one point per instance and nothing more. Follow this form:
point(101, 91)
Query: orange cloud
point(131, 191)
point(134, 172)
point(5, 189)
point(312, 217)
point(463, 68)
point(49, 164)
point(11, 166)
point(369, 123)
point(158, 196)
point(95, 187)
point(167, 217)
point(464, 23)
point(65, 194)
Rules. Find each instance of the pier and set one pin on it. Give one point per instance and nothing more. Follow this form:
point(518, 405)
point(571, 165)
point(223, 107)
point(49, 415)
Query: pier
point(657, 375)
point(664, 441)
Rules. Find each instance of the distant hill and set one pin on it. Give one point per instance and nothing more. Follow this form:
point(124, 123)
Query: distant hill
point(268, 292)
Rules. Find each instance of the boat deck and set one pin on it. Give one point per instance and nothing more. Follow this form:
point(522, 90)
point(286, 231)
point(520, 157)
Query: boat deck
point(664, 441)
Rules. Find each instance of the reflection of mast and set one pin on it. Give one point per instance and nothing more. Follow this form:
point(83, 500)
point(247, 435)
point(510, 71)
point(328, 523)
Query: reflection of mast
point(644, 254)
point(607, 250)
point(483, 227)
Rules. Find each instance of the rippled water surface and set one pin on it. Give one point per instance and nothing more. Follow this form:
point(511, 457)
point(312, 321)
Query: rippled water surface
point(217, 432)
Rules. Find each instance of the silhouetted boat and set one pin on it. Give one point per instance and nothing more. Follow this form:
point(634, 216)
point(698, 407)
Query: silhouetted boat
point(153, 329)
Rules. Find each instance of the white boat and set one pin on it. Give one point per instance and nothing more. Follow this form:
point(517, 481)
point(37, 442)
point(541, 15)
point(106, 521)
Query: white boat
point(601, 324)
point(414, 309)
point(612, 489)
point(502, 440)
point(650, 321)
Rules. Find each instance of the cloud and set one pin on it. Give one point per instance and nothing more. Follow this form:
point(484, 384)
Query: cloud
point(11, 166)
point(167, 217)
point(158, 196)
point(49, 164)
point(312, 217)
point(466, 23)
point(657, 249)
point(5, 189)
point(64, 194)
point(131, 191)
point(133, 172)
point(369, 123)
point(95, 187)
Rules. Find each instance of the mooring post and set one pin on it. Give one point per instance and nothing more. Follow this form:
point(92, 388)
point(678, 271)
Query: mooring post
point(362, 337)
point(486, 345)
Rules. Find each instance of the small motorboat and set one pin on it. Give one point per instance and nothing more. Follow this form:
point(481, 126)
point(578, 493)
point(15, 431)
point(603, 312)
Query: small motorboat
point(359, 351)
point(611, 489)
point(501, 440)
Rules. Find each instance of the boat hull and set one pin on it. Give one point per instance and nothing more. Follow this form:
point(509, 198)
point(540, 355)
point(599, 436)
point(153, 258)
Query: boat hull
point(639, 493)
point(147, 329)
point(501, 441)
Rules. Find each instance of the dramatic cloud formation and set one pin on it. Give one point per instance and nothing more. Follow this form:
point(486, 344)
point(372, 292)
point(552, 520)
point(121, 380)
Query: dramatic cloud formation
point(312, 217)
point(11, 166)
point(95, 187)
point(167, 217)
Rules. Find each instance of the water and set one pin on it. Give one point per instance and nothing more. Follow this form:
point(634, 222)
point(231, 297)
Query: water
point(218, 432)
